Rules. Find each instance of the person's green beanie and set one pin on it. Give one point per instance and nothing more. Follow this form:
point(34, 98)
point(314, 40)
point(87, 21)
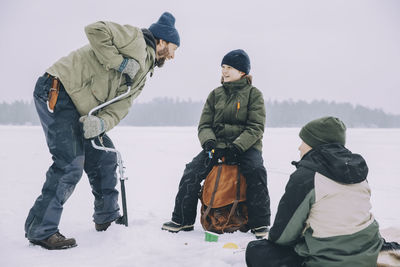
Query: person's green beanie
point(324, 131)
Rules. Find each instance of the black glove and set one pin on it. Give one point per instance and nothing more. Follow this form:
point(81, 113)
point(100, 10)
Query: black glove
point(232, 154)
point(218, 154)
point(209, 146)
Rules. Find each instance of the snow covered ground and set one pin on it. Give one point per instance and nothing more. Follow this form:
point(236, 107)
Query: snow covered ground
point(154, 160)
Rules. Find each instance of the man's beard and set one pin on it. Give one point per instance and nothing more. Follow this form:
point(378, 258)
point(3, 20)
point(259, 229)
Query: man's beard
point(160, 62)
point(162, 56)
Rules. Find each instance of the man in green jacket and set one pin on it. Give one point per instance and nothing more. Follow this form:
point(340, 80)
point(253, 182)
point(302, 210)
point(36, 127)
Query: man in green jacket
point(64, 95)
point(324, 218)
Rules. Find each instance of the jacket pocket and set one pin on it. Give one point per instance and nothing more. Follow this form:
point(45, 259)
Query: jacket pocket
point(42, 88)
point(99, 88)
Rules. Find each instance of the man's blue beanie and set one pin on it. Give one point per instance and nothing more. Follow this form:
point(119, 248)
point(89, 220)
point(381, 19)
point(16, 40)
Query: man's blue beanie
point(164, 29)
point(237, 59)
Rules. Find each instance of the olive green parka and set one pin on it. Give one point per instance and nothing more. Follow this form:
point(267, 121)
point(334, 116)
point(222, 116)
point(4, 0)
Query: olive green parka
point(234, 113)
point(89, 74)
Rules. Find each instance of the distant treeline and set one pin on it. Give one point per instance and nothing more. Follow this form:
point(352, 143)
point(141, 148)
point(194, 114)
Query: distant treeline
point(174, 112)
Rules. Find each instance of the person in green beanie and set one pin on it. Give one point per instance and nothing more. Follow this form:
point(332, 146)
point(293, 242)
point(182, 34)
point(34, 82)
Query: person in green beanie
point(324, 216)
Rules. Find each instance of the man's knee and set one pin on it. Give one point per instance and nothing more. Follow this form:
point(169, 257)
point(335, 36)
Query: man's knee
point(75, 167)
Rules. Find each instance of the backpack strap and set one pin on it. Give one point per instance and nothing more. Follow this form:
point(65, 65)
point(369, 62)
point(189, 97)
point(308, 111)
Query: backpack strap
point(213, 193)
point(236, 201)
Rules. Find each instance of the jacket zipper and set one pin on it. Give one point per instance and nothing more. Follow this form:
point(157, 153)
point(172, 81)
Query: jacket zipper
point(237, 107)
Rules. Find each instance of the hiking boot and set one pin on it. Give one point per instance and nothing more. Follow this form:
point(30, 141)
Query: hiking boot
point(102, 226)
point(174, 227)
point(121, 220)
point(260, 232)
point(56, 241)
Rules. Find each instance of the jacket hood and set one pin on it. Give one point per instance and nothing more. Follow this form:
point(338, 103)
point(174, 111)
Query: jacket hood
point(149, 38)
point(335, 162)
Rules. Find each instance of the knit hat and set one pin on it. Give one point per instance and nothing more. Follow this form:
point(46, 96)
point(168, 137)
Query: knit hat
point(323, 131)
point(237, 59)
point(164, 29)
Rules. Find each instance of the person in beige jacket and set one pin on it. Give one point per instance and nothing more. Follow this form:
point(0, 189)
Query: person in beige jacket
point(64, 95)
point(324, 217)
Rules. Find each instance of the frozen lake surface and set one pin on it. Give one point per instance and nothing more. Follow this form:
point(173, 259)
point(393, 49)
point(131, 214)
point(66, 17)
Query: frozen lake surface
point(155, 158)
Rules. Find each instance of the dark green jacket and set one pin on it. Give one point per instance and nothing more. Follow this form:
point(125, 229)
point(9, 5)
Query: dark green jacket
point(325, 211)
point(233, 113)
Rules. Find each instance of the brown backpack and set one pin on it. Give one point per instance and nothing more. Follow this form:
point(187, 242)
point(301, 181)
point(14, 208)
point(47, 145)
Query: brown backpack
point(223, 197)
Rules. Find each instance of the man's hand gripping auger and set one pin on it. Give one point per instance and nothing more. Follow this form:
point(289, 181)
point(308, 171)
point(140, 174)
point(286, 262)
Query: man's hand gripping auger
point(124, 218)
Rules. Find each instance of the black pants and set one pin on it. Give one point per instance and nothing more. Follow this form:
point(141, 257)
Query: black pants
point(251, 165)
point(264, 253)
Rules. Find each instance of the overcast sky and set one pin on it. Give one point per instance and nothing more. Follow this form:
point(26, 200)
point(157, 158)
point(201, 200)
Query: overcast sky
point(338, 50)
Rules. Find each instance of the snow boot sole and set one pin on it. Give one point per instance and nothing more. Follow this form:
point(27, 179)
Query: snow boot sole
point(46, 246)
point(55, 242)
point(176, 229)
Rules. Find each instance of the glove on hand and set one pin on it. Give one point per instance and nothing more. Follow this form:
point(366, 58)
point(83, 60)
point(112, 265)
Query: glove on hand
point(92, 126)
point(218, 153)
point(129, 66)
point(209, 146)
point(232, 154)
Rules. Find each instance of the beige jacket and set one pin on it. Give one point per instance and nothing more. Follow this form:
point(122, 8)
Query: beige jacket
point(89, 74)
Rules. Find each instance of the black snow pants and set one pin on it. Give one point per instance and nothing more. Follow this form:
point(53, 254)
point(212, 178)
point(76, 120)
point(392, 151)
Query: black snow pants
point(71, 154)
point(251, 165)
point(264, 253)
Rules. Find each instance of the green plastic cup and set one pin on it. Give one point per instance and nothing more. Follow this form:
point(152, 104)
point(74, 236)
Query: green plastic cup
point(211, 237)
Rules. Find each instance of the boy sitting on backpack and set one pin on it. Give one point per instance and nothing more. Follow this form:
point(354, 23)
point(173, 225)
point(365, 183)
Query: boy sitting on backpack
point(231, 125)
